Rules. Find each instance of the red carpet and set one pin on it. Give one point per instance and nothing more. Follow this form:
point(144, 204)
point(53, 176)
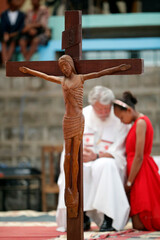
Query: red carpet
point(28, 233)
point(50, 233)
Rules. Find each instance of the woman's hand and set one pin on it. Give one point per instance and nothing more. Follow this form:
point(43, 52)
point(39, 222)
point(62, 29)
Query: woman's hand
point(23, 69)
point(127, 189)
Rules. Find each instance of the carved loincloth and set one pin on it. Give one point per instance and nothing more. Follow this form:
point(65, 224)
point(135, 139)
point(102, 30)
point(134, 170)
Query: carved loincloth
point(73, 126)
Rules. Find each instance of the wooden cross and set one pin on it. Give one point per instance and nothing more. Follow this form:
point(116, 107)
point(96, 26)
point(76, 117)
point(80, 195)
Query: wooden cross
point(72, 43)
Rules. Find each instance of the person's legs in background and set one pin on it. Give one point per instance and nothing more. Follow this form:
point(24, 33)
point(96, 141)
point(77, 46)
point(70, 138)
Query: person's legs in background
point(7, 51)
point(23, 45)
point(28, 51)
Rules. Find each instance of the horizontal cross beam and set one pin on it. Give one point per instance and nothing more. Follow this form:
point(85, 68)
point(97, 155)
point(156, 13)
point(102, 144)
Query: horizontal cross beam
point(82, 67)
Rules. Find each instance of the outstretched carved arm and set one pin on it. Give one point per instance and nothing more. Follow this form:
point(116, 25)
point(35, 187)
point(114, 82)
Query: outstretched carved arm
point(108, 71)
point(41, 75)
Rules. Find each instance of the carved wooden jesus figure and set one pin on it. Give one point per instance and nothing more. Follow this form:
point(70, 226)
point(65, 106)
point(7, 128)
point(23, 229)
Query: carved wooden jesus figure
point(73, 121)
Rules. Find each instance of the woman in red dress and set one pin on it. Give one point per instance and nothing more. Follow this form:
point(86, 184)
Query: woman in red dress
point(143, 184)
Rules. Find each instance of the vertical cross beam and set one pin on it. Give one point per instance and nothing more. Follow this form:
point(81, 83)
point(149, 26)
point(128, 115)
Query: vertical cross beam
point(72, 43)
point(72, 36)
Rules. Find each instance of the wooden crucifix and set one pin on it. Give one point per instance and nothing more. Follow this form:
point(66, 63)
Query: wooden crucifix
point(76, 72)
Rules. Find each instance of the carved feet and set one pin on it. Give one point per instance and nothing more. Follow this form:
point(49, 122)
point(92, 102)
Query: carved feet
point(72, 202)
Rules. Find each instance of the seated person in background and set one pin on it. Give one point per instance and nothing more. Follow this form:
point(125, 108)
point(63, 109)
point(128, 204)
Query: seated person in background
point(143, 184)
point(104, 166)
point(36, 31)
point(12, 23)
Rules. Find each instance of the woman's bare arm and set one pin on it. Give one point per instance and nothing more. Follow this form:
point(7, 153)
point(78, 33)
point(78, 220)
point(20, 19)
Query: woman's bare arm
point(140, 142)
point(107, 71)
point(41, 75)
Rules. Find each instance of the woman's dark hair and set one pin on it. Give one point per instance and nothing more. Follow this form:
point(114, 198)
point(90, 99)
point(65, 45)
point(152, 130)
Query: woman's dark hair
point(129, 99)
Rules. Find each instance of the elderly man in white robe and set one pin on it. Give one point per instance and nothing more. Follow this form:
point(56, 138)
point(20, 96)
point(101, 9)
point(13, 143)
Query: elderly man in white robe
point(104, 167)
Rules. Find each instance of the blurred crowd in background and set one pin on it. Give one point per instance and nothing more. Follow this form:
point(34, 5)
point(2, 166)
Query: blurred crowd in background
point(25, 29)
point(24, 23)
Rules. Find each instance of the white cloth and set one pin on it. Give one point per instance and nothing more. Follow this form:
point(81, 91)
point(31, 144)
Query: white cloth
point(12, 15)
point(103, 178)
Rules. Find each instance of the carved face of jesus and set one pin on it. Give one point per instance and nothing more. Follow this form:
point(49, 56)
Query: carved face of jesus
point(102, 111)
point(65, 68)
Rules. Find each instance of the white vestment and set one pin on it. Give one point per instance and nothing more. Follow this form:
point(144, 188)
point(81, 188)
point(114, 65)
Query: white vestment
point(103, 178)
